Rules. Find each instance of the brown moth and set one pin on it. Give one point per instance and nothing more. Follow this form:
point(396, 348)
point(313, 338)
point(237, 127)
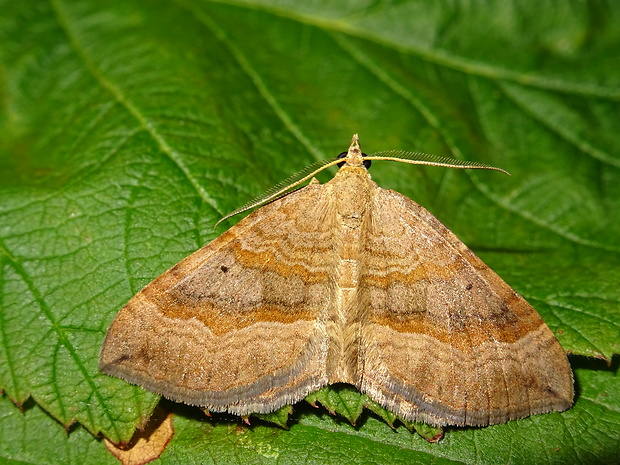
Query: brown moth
point(343, 282)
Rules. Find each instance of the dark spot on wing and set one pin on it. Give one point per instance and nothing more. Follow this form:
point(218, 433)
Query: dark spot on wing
point(122, 358)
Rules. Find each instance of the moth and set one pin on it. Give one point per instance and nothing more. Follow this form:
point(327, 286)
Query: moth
point(342, 282)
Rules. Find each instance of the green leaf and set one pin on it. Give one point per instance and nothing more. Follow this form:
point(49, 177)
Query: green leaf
point(280, 417)
point(130, 127)
point(32, 436)
point(339, 399)
point(345, 400)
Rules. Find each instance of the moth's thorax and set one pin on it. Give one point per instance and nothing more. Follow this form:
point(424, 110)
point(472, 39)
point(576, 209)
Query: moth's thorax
point(352, 190)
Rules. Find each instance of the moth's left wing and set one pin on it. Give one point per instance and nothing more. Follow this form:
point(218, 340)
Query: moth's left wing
point(444, 339)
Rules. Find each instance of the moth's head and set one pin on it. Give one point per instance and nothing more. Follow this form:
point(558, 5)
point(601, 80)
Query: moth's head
point(354, 156)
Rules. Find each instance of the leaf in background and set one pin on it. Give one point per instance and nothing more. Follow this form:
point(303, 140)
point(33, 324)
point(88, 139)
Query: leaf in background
point(32, 436)
point(130, 127)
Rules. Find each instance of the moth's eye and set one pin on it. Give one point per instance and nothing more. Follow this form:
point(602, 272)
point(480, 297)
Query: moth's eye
point(367, 163)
